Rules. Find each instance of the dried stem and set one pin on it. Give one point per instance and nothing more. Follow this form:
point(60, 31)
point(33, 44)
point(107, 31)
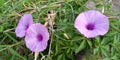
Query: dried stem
point(36, 55)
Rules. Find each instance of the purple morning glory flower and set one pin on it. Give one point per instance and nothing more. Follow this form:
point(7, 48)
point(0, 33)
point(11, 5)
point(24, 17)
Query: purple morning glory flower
point(25, 21)
point(92, 23)
point(36, 38)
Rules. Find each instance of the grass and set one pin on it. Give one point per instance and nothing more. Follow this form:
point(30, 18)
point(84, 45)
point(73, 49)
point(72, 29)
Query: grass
point(65, 41)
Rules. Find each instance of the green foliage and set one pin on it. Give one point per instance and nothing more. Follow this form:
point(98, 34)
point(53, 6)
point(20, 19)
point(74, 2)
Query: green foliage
point(1, 28)
point(60, 47)
point(81, 47)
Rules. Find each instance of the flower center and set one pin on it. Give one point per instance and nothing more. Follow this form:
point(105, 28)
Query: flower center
point(26, 27)
point(90, 26)
point(39, 37)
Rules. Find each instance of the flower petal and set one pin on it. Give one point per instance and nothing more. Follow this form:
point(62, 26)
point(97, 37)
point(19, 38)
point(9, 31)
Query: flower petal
point(80, 23)
point(90, 16)
point(43, 31)
point(100, 23)
point(20, 31)
point(32, 42)
point(41, 46)
point(25, 21)
point(102, 28)
point(91, 34)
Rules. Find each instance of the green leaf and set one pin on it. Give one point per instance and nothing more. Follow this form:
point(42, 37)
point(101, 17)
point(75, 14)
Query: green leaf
point(113, 51)
point(90, 43)
point(1, 28)
point(15, 53)
point(96, 51)
point(105, 50)
point(12, 38)
point(97, 41)
point(59, 57)
point(68, 50)
point(2, 2)
point(82, 46)
point(99, 5)
point(57, 49)
point(112, 33)
point(105, 41)
point(114, 57)
point(106, 59)
point(115, 27)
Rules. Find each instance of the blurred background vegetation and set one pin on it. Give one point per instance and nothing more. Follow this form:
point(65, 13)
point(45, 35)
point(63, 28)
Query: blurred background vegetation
point(66, 43)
